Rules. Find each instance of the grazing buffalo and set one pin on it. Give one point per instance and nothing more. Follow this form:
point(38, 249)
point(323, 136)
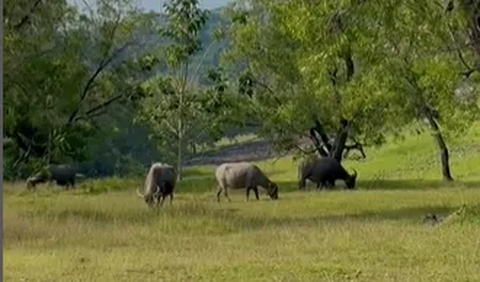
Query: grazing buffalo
point(324, 172)
point(243, 175)
point(159, 183)
point(63, 174)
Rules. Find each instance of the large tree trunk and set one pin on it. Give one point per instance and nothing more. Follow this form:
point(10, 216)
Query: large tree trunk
point(442, 146)
point(340, 141)
point(323, 146)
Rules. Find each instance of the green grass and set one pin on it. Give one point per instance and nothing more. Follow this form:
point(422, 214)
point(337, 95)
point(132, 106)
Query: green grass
point(104, 232)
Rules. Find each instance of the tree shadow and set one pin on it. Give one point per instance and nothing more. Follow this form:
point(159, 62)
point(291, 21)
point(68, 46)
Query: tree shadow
point(390, 184)
point(415, 215)
point(400, 184)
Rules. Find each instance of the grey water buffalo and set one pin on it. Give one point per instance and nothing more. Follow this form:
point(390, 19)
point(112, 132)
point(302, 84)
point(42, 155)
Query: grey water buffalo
point(63, 174)
point(159, 183)
point(324, 172)
point(243, 175)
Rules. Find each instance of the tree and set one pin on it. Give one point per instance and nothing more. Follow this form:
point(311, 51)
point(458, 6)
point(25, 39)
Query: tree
point(33, 64)
point(426, 80)
point(60, 68)
point(302, 76)
point(363, 68)
point(179, 109)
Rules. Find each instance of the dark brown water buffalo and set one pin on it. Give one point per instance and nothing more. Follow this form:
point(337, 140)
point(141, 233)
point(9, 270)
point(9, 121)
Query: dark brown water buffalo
point(324, 172)
point(63, 174)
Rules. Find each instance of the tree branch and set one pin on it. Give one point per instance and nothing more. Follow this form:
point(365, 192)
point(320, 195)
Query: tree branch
point(170, 126)
point(355, 146)
point(103, 64)
point(266, 87)
point(83, 117)
point(93, 111)
point(349, 63)
point(318, 128)
point(469, 70)
point(340, 139)
point(201, 62)
point(318, 145)
point(25, 18)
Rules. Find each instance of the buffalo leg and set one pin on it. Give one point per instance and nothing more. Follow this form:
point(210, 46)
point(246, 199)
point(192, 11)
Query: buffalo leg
point(256, 193)
point(171, 198)
point(163, 199)
point(248, 193)
point(301, 184)
point(219, 192)
point(329, 184)
point(225, 191)
point(63, 183)
point(322, 184)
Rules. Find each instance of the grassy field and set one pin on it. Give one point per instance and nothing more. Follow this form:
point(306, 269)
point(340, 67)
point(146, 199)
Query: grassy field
point(104, 232)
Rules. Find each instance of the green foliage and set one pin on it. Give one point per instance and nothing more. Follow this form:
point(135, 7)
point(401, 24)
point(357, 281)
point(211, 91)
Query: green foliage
point(378, 64)
point(64, 70)
point(180, 110)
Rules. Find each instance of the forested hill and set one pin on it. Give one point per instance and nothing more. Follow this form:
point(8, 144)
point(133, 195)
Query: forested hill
point(207, 58)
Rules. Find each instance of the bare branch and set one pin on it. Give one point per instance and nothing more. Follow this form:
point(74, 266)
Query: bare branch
point(92, 79)
point(470, 70)
point(94, 111)
point(265, 86)
point(103, 64)
point(25, 18)
point(318, 145)
point(91, 116)
point(201, 62)
point(88, 6)
point(355, 146)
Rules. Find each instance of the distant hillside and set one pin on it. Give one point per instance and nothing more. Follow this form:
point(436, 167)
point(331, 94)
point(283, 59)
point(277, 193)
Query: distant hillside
point(208, 57)
point(213, 4)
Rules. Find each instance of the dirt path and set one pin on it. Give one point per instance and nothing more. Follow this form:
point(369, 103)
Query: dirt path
point(251, 151)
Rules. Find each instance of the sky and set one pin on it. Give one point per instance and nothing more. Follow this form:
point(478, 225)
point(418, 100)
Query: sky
point(156, 5)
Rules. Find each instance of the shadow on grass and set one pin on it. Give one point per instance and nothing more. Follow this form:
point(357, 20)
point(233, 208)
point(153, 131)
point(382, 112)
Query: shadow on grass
point(229, 219)
point(411, 214)
point(393, 184)
point(413, 184)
